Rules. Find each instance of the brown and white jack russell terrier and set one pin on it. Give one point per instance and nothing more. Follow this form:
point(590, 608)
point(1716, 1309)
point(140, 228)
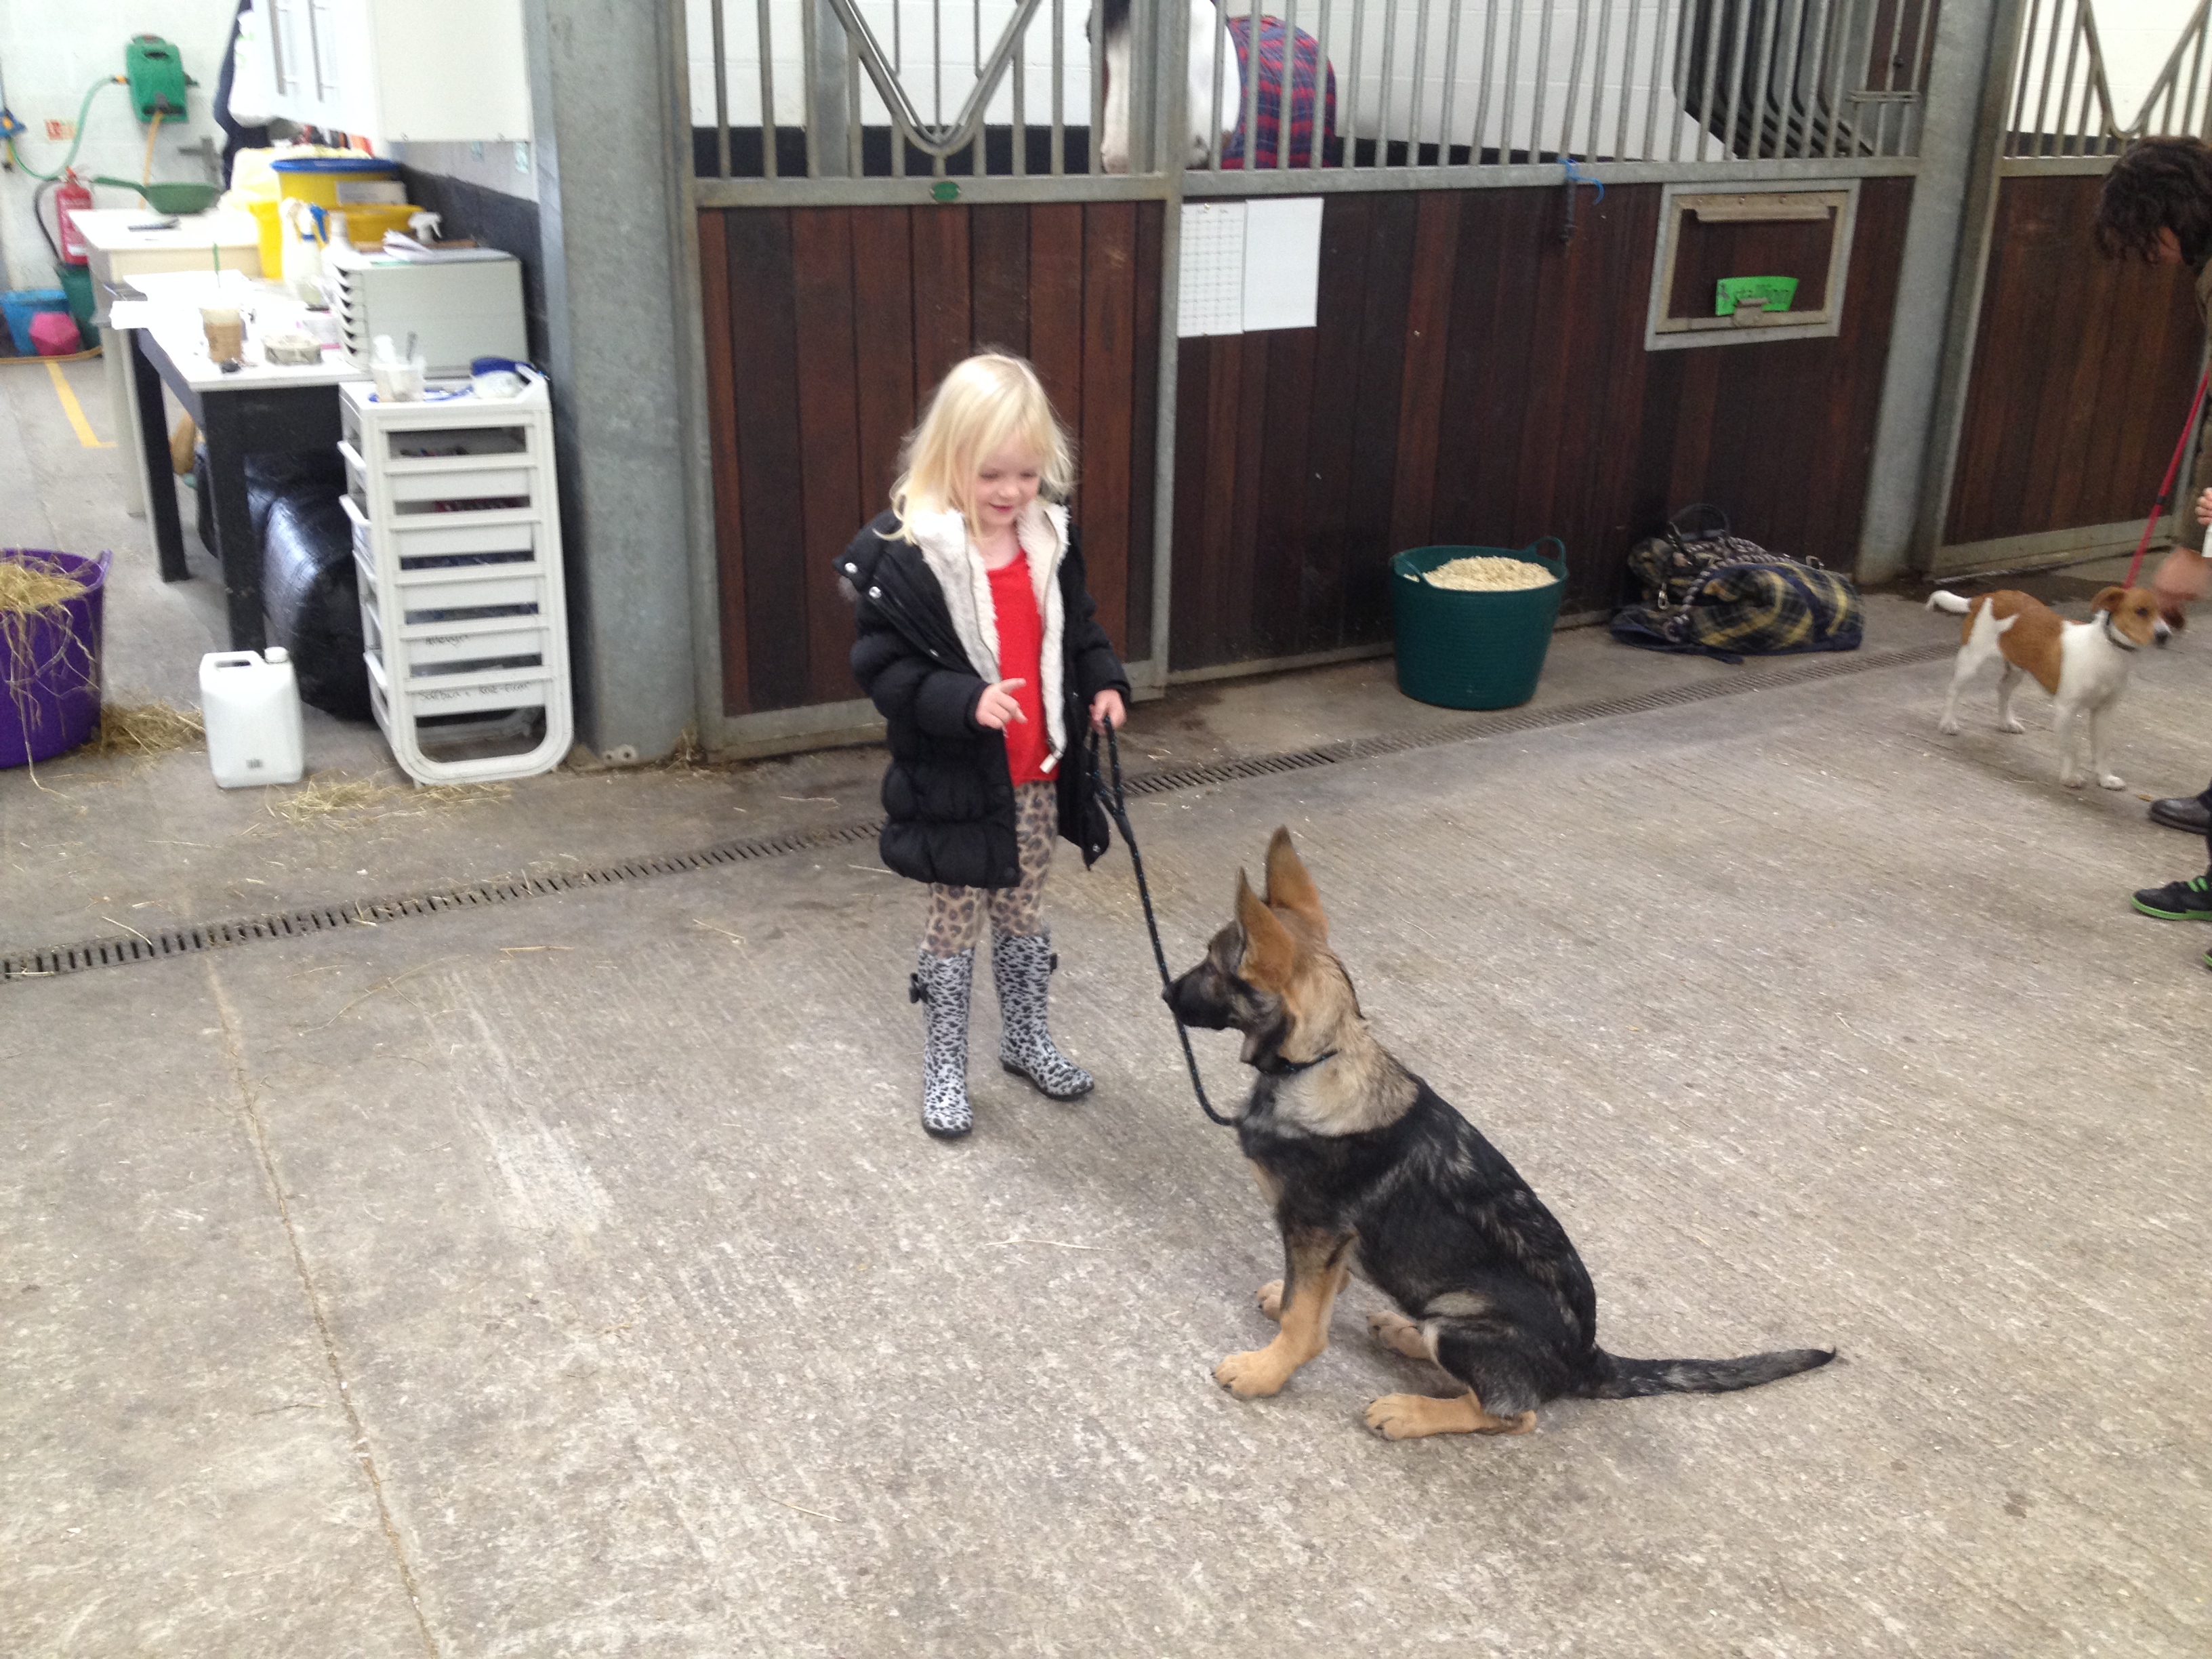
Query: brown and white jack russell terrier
point(2084, 666)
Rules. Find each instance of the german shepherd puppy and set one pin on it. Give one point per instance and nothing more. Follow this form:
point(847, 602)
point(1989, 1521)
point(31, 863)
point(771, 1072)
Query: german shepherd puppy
point(1372, 1171)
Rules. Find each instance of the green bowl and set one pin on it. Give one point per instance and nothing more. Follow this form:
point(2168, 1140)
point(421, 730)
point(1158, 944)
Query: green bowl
point(170, 198)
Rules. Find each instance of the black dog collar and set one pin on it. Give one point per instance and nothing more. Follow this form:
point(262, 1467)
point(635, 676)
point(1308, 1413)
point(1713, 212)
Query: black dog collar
point(1280, 1067)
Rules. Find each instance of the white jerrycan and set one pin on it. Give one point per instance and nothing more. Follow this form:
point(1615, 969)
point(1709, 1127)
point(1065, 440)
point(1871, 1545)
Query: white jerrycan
point(251, 702)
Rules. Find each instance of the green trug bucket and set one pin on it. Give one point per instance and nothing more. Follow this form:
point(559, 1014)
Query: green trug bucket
point(1479, 649)
point(170, 198)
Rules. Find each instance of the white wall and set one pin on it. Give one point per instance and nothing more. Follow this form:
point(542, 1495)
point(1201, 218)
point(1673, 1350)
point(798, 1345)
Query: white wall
point(49, 54)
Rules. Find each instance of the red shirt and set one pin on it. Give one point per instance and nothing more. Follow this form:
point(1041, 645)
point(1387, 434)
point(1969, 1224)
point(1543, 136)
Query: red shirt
point(1021, 652)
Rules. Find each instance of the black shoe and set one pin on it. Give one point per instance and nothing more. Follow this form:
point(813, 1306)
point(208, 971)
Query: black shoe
point(2178, 900)
point(2182, 813)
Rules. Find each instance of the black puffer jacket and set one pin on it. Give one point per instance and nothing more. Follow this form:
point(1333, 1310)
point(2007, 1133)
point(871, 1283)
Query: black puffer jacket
point(948, 795)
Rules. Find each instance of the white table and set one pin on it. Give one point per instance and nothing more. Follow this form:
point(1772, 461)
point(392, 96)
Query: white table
point(121, 246)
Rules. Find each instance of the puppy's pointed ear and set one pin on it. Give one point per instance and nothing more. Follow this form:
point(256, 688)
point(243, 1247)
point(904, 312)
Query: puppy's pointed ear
point(1269, 950)
point(1290, 887)
point(2109, 600)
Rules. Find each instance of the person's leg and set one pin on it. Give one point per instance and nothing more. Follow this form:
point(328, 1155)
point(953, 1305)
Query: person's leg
point(1021, 954)
point(944, 972)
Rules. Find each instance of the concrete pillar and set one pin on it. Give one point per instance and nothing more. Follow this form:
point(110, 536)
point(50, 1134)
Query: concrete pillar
point(607, 205)
point(1939, 283)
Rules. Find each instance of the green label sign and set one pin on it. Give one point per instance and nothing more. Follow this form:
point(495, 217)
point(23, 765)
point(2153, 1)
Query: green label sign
point(1763, 293)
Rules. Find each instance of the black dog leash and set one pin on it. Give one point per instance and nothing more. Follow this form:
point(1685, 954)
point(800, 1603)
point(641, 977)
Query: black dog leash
point(1117, 808)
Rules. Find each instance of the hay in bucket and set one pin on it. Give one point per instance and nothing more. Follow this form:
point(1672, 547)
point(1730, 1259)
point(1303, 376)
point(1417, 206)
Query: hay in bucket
point(29, 585)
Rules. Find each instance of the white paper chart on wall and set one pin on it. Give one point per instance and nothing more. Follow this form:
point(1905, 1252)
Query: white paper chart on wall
point(1212, 289)
point(1248, 266)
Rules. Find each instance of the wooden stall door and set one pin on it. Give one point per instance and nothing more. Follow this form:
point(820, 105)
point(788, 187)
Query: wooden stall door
point(2082, 373)
point(825, 327)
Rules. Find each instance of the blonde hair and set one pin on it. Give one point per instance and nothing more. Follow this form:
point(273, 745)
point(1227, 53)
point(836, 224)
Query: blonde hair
point(985, 402)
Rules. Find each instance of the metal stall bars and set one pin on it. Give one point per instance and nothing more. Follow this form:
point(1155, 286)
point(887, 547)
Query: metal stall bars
point(964, 89)
point(1467, 85)
point(2180, 99)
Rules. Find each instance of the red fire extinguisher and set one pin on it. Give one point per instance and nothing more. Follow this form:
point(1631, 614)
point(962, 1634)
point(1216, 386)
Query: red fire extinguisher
point(71, 198)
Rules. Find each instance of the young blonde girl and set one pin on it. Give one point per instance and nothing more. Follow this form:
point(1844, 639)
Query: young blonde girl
point(979, 645)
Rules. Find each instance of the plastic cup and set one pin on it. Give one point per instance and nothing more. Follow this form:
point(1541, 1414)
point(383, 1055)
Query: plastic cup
point(226, 333)
point(400, 383)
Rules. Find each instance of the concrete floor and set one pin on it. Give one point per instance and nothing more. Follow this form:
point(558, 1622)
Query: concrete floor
point(571, 1276)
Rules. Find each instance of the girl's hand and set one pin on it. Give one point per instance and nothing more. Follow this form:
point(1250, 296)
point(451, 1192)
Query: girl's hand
point(1108, 706)
point(996, 709)
point(2204, 508)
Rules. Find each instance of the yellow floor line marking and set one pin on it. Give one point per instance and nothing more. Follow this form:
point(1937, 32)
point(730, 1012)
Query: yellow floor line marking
point(73, 408)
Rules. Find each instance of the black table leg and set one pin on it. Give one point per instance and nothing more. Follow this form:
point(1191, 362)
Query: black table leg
point(161, 483)
point(234, 529)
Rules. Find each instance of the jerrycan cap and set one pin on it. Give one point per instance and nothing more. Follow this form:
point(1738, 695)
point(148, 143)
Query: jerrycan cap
point(276, 653)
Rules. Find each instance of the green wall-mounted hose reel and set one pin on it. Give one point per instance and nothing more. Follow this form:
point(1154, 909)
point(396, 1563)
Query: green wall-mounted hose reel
point(156, 76)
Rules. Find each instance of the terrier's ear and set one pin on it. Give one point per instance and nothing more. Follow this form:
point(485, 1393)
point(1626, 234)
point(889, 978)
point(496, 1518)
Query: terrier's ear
point(2109, 600)
point(1290, 887)
point(1269, 950)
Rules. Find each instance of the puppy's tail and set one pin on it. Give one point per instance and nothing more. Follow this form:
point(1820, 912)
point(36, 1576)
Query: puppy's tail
point(1616, 1379)
point(1939, 600)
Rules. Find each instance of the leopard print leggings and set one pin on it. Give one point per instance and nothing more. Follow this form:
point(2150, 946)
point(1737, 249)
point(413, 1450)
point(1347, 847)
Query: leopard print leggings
point(956, 914)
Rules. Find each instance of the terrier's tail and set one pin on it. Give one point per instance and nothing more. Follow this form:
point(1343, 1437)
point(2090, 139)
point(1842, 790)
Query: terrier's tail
point(1939, 600)
point(1626, 1379)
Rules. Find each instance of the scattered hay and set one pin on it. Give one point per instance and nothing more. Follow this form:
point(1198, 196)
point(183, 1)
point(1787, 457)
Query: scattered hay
point(28, 586)
point(690, 755)
point(1490, 576)
point(147, 728)
point(334, 797)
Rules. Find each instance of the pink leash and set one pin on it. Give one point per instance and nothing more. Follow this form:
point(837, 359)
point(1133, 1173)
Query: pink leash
point(2172, 467)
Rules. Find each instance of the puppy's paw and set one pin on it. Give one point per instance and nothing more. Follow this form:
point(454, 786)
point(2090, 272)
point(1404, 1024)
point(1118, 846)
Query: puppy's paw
point(2013, 727)
point(1271, 1298)
point(2071, 779)
point(1398, 1333)
point(1949, 725)
point(1410, 1416)
point(1252, 1376)
point(2113, 781)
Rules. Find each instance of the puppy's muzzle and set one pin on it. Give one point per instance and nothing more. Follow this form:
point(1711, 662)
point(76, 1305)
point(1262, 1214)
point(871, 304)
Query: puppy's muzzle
point(1193, 1005)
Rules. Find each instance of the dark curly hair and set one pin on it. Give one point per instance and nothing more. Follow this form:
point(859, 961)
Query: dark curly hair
point(2158, 184)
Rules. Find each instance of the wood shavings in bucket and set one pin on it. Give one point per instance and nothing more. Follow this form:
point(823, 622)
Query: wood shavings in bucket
point(147, 728)
point(335, 797)
point(1490, 575)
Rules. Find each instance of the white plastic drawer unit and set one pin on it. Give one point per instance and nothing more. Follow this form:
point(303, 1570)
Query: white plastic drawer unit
point(457, 537)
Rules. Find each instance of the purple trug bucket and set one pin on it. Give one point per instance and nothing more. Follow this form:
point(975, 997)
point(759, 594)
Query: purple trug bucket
point(49, 697)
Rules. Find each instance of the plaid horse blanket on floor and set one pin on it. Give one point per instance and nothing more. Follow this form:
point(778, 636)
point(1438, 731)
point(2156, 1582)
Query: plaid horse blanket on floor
point(1768, 606)
point(1308, 72)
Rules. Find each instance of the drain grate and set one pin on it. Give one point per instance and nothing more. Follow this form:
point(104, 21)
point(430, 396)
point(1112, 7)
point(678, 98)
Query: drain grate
point(115, 952)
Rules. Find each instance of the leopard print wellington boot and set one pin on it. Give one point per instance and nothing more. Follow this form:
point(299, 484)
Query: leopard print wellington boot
point(1022, 965)
point(941, 985)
